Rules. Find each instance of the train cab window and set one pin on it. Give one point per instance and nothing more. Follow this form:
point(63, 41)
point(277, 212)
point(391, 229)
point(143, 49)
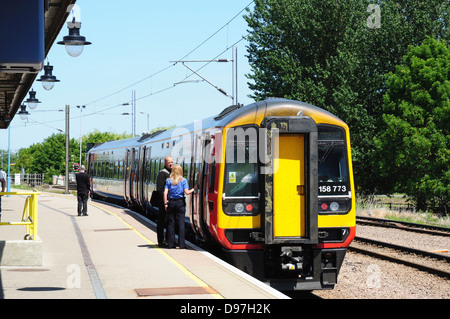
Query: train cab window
point(333, 170)
point(332, 159)
point(241, 169)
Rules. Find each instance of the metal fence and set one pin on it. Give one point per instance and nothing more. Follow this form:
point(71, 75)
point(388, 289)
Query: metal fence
point(29, 179)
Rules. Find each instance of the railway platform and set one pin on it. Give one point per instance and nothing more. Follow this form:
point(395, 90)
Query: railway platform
point(112, 254)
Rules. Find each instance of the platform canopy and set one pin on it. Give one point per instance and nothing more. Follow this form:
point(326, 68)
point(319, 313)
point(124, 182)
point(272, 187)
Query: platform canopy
point(15, 83)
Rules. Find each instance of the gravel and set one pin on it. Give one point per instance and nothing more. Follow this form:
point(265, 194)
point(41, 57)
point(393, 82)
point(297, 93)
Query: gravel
point(366, 277)
point(402, 237)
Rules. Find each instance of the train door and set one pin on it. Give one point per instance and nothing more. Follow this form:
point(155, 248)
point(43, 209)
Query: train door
point(292, 216)
point(207, 183)
point(91, 170)
point(138, 176)
point(126, 176)
point(197, 177)
point(146, 175)
point(289, 187)
point(133, 175)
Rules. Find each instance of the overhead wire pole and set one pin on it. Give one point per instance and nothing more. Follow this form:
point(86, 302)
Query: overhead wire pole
point(234, 77)
point(235, 88)
point(217, 88)
point(134, 113)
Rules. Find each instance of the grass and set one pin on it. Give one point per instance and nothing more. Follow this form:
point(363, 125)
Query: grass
point(379, 207)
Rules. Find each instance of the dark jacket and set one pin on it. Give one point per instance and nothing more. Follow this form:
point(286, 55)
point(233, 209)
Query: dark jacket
point(160, 183)
point(83, 182)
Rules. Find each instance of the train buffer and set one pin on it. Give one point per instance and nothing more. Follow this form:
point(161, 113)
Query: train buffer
point(112, 254)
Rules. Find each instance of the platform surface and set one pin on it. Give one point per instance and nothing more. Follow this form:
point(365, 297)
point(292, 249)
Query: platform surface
point(112, 254)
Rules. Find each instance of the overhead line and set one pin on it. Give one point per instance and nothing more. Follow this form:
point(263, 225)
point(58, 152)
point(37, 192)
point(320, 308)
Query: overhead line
point(156, 73)
point(173, 64)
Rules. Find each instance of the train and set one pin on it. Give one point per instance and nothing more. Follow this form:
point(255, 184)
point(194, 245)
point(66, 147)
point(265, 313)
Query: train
point(275, 188)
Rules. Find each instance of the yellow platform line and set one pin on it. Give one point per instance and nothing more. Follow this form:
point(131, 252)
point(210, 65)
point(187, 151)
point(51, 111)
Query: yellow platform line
point(186, 271)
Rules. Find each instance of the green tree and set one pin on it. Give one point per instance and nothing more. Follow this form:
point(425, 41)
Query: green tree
point(48, 157)
point(96, 137)
point(99, 137)
point(328, 54)
point(413, 148)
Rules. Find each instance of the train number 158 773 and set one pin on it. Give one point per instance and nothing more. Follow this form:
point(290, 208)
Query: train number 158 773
point(333, 189)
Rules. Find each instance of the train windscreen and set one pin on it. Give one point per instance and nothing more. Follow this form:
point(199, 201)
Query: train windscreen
point(241, 169)
point(333, 168)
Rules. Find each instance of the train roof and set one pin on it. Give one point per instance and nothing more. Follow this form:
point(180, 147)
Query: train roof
point(228, 115)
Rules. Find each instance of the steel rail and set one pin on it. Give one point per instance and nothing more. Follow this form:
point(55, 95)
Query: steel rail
point(409, 250)
point(414, 227)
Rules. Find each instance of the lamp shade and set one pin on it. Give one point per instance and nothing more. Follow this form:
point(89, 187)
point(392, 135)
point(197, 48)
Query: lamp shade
point(23, 113)
point(48, 79)
point(32, 101)
point(74, 42)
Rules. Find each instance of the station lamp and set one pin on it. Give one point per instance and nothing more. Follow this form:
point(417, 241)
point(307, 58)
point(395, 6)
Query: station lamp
point(23, 113)
point(32, 101)
point(74, 42)
point(48, 79)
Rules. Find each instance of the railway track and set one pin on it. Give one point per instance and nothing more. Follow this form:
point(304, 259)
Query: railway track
point(433, 262)
point(413, 227)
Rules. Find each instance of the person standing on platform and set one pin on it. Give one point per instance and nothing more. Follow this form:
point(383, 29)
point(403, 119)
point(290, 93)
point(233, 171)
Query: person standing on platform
point(83, 190)
point(3, 182)
point(177, 186)
point(162, 214)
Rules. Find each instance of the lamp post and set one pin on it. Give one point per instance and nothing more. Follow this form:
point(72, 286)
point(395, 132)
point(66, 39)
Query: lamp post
point(66, 181)
point(23, 113)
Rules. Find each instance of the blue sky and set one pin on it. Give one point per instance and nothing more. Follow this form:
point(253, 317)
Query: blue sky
point(131, 41)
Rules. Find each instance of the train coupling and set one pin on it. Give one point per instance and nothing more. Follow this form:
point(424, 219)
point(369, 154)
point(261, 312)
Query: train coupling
point(291, 258)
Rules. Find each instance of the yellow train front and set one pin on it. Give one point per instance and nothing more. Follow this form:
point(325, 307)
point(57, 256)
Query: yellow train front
point(282, 205)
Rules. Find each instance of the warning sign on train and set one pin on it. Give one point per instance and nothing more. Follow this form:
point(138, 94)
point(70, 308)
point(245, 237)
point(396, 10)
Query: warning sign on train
point(232, 177)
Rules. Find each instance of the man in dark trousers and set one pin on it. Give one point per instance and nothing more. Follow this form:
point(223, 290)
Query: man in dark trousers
point(162, 214)
point(3, 182)
point(83, 190)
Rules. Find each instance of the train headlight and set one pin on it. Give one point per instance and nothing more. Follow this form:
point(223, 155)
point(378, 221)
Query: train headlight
point(334, 206)
point(239, 208)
